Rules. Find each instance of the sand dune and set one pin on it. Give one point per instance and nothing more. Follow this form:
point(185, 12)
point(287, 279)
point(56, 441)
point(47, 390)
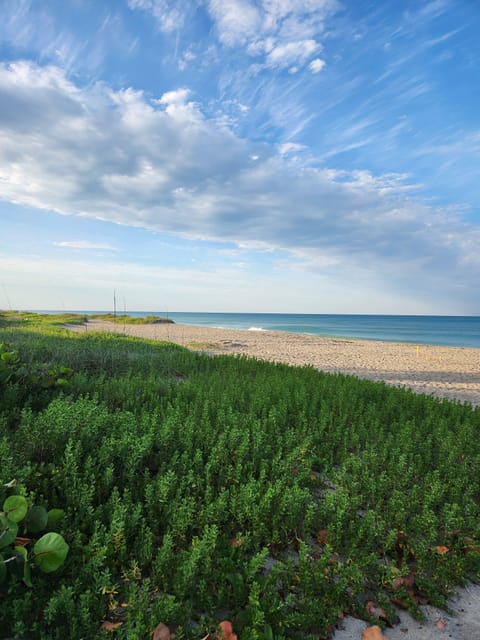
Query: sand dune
point(446, 372)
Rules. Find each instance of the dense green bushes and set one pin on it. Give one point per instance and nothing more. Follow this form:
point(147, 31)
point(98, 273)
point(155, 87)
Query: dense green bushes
point(197, 489)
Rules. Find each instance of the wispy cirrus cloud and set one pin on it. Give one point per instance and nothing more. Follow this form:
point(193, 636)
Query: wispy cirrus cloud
point(34, 30)
point(169, 14)
point(85, 245)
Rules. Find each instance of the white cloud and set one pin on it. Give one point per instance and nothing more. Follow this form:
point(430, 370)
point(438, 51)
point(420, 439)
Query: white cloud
point(285, 55)
point(237, 20)
point(283, 32)
point(162, 165)
point(169, 14)
point(187, 57)
point(316, 65)
point(84, 244)
point(259, 47)
point(179, 96)
point(290, 147)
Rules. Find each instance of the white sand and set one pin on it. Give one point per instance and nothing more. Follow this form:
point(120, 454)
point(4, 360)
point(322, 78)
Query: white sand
point(462, 624)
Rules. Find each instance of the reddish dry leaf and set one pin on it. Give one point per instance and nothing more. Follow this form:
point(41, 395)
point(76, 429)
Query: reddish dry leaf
point(373, 633)
point(161, 632)
point(440, 624)
point(226, 631)
point(21, 542)
point(322, 536)
point(111, 626)
point(397, 583)
point(236, 542)
point(375, 611)
point(441, 550)
point(404, 581)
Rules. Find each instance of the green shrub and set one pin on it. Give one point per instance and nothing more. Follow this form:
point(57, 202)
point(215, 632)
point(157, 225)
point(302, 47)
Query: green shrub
point(199, 489)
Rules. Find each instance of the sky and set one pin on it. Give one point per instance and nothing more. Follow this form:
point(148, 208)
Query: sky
point(310, 156)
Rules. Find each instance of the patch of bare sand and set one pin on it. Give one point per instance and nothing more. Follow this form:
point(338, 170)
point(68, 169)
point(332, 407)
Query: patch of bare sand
point(461, 623)
point(445, 372)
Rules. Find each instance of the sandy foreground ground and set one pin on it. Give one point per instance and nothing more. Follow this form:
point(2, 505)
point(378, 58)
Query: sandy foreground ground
point(446, 372)
point(463, 623)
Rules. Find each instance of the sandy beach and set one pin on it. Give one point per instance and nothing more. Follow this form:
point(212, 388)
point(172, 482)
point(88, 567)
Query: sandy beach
point(445, 372)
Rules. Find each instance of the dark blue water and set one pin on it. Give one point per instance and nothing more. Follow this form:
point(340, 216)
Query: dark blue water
point(459, 331)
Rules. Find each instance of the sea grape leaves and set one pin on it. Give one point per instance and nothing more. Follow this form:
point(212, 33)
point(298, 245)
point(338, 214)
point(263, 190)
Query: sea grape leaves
point(36, 520)
point(8, 531)
point(15, 508)
point(50, 552)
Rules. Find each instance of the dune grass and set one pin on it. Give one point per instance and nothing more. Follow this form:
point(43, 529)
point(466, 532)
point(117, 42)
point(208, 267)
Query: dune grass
point(44, 319)
point(200, 489)
point(126, 319)
point(39, 319)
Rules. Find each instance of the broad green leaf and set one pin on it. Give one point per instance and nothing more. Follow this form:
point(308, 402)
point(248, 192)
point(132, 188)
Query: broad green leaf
point(50, 552)
point(36, 520)
point(26, 575)
point(54, 516)
point(23, 554)
point(8, 356)
point(8, 531)
point(21, 551)
point(16, 508)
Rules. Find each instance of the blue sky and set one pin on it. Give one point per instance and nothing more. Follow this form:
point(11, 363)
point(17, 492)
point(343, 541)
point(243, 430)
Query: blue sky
point(314, 156)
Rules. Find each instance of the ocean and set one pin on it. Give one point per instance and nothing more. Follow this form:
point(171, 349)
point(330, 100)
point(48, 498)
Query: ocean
point(458, 331)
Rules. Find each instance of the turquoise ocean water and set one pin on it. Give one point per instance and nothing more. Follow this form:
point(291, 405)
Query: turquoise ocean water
point(459, 331)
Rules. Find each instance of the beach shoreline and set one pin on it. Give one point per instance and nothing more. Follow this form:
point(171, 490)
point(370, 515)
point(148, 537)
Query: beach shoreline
point(445, 372)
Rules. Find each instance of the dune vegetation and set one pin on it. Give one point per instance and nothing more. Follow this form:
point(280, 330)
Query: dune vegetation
point(192, 490)
point(124, 318)
point(80, 318)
